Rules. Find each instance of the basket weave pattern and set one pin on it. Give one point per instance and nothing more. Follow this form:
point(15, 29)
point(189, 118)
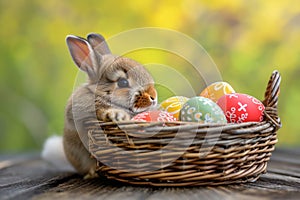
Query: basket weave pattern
point(186, 153)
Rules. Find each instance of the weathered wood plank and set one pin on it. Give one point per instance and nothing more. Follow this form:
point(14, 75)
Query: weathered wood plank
point(27, 177)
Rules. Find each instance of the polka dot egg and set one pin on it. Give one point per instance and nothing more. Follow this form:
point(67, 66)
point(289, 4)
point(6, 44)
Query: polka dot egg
point(240, 108)
point(217, 90)
point(201, 109)
point(173, 105)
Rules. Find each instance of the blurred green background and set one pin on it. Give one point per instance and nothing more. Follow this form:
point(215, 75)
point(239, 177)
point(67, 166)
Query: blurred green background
point(246, 39)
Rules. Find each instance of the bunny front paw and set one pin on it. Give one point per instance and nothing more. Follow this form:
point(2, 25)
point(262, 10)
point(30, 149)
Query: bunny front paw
point(114, 115)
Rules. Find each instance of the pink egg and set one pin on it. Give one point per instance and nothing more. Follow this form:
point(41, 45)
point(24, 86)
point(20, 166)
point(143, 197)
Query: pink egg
point(154, 116)
point(240, 108)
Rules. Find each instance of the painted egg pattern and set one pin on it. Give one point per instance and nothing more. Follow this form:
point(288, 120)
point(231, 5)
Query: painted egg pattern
point(173, 105)
point(240, 108)
point(217, 90)
point(201, 109)
point(156, 115)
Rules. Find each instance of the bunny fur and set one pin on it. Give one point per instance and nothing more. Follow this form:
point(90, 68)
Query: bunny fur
point(117, 89)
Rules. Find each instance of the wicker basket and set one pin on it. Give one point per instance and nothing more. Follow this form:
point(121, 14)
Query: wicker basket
point(184, 153)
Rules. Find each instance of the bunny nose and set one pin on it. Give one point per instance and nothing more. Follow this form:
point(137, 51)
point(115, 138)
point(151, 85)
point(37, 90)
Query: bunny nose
point(153, 101)
point(146, 99)
point(152, 98)
point(152, 94)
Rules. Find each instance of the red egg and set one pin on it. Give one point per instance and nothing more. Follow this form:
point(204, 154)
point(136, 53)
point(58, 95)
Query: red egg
point(154, 116)
point(240, 108)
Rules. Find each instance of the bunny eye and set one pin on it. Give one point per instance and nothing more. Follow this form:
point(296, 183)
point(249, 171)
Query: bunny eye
point(123, 83)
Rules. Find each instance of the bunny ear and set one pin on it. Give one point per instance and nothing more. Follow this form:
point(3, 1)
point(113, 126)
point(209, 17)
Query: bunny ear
point(82, 54)
point(98, 43)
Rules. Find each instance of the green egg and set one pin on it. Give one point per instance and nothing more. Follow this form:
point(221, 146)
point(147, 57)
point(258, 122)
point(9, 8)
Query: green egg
point(201, 109)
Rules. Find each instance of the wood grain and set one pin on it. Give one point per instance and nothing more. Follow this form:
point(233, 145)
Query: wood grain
point(29, 177)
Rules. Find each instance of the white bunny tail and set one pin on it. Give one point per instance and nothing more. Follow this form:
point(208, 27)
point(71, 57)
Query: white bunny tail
point(53, 152)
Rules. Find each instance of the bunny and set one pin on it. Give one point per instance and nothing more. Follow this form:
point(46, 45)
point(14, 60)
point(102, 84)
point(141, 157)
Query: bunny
point(117, 89)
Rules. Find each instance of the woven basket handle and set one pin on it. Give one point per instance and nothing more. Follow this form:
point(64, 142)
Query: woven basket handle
point(271, 99)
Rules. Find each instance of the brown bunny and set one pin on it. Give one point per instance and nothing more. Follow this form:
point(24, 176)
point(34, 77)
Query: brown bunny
point(117, 89)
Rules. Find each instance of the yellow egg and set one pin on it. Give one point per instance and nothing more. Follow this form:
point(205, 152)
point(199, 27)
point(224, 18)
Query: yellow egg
point(216, 90)
point(173, 105)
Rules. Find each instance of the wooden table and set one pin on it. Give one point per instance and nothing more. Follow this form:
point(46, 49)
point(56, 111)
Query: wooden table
point(29, 177)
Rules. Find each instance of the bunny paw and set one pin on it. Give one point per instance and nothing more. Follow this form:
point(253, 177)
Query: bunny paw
point(115, 115)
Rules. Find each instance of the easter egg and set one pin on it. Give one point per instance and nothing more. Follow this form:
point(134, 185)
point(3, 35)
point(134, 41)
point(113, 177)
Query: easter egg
point(240, 108)
point(201, 109)
point(156, 115)
point(173, 105)
point(216, 90)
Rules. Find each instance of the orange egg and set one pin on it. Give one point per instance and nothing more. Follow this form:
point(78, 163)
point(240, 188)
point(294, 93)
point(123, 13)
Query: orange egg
point(216, 90)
